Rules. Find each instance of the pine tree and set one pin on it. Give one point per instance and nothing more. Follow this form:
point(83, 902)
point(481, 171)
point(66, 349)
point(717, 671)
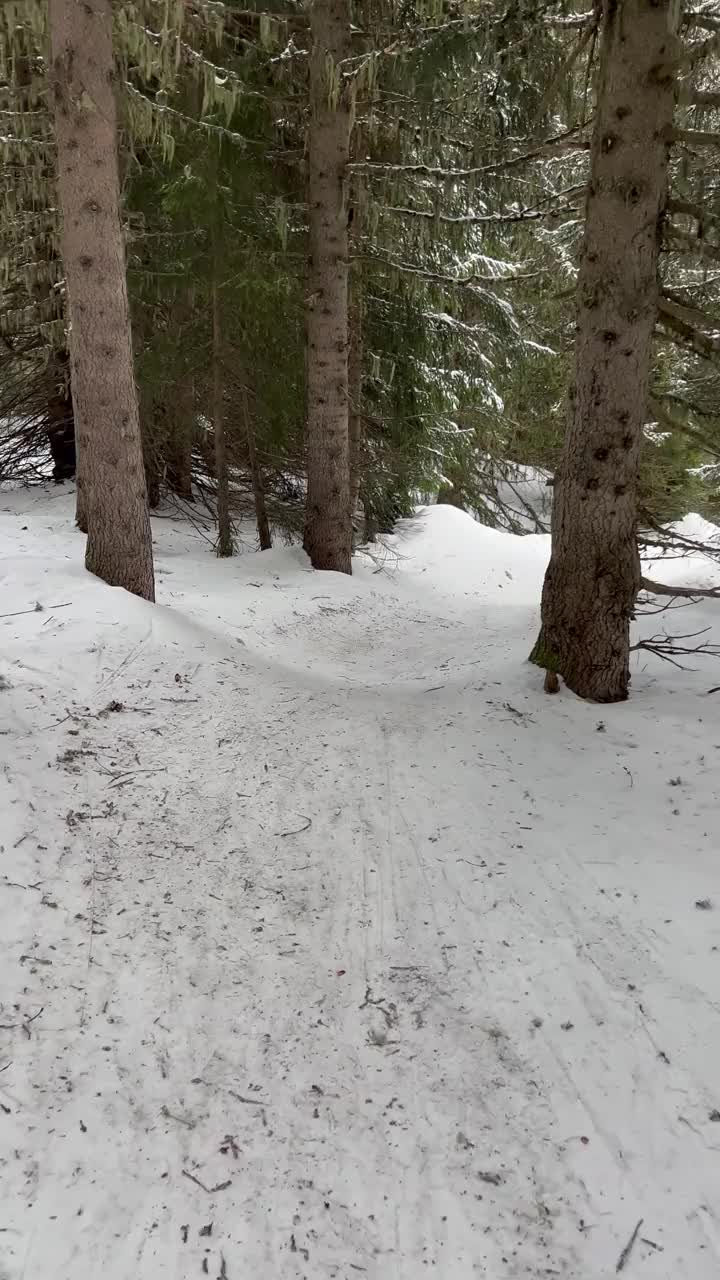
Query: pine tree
point(110, 470)
point(328, 526)
point(594, 573)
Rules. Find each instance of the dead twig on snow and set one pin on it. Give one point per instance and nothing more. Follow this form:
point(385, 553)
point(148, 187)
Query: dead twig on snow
point(297, 830)
point(37, 608)
point(221, 1186)
point(624, 1256)
point(25, 1024)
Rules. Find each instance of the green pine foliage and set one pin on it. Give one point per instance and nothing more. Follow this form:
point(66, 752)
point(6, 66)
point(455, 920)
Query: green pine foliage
point(469, 162)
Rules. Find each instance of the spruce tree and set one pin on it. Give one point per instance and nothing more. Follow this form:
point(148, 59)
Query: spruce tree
point(328, 523)
point(111, 481)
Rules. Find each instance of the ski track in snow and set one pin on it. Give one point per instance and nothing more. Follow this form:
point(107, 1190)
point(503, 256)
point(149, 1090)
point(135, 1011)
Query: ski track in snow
point(340, 949)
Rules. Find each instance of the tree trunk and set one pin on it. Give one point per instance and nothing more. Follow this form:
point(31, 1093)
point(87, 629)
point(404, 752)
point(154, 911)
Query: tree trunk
point(328, 524)
point(111, 479)
point(151, 464)
point(261, 517)
point(179, 468)
point(182, 435)
point(355, 374)
point(60, 419)
point(225, 545)
point(594, 572)
point(449, 496)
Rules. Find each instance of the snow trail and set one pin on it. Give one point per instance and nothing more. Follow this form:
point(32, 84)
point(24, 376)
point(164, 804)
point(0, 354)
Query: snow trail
point(333, 947)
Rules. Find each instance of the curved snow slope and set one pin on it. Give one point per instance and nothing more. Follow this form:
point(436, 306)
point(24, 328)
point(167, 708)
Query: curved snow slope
point(331, 945)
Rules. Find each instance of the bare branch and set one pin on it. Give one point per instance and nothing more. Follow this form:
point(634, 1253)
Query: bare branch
point(691, 210)
point(704, 20)
point(686, 593)
point(669, 648)
point(698, 52)
point(695, 244)
point(696, 137)
point(676, 318)
point(689, 97)
point(694, 316)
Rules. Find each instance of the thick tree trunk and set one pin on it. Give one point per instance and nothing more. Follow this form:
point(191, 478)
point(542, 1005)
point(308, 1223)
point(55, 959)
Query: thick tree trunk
point(261, 516)
point(594, 572)
point(111, 478)
point(225, 539)
point(328, 524)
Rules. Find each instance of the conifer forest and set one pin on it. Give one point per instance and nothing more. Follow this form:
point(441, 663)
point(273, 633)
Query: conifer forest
point(359, 639)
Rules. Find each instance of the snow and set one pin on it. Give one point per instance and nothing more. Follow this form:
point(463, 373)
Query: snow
point(332, 946)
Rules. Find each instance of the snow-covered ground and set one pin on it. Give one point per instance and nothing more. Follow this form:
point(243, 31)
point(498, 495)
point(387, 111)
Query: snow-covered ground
point(331, 946)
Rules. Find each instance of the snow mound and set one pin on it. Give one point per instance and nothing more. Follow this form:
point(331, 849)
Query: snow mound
point(459, 556)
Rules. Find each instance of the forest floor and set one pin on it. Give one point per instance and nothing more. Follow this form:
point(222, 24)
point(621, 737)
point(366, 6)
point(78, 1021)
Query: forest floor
point(331, 946)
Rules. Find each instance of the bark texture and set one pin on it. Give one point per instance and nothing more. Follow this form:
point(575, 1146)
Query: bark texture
point(111, 479)
point(594, 572)
point(328, 524)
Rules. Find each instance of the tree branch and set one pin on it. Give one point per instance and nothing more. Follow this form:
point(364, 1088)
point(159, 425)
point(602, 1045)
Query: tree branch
point(696, 137)
point(675, 424)
point(695, 244)
point(668, 647)
point(689, 97)
point(686, 593)
point(690, 210)
point(689, 312)
point(704, 20)
point(472, 219)
point(407, 268)
point(698, 52)
point(567, 139)
point(676, 317)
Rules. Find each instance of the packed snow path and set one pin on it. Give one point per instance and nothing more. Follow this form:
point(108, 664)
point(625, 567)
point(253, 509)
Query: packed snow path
point(332, 947)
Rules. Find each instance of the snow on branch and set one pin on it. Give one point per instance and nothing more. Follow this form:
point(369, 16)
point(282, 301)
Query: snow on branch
point(569, 139)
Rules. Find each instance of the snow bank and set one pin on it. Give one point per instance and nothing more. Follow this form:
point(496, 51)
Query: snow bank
point(458, 556)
